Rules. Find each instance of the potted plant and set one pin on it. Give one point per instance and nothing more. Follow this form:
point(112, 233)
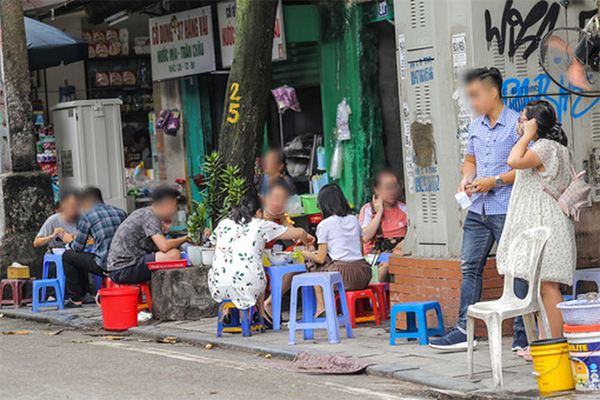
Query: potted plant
point(196, 224)
point(222, 188)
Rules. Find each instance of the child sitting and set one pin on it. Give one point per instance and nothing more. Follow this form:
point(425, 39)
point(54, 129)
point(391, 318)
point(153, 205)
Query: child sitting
point(340, 246)
point(237, 273)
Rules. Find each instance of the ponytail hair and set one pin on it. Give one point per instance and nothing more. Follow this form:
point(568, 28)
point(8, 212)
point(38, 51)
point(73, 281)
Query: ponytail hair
point(547, 122)
point(245, 210)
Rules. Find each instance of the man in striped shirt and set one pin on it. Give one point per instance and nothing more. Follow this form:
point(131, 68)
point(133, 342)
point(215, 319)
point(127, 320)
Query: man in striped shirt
point(487, 178)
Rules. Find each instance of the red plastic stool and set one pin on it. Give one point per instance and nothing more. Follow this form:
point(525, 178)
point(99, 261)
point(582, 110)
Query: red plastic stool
point(144, 291)
point(17, 286)
point(382, 292)
point(357, 315)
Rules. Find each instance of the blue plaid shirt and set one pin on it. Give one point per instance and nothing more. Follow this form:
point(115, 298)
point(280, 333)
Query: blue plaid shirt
point(100, 223)
point(491, 147)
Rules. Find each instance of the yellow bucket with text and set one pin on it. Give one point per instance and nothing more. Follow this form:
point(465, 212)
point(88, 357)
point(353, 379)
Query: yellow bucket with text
point(552, 364)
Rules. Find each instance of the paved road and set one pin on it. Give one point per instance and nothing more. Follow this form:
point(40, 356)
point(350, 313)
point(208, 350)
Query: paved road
point(81, 364)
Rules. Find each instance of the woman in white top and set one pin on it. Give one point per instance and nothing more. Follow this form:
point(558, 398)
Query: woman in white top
point(531, 206)
point(237, 273)
point(340, 245)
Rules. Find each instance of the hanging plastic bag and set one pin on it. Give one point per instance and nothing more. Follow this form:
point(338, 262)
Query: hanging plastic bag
point(286, 99)
point(337, 162)
point(341, 119)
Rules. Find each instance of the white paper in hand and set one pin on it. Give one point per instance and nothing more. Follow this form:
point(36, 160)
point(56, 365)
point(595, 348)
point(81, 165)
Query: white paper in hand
point(464, 200)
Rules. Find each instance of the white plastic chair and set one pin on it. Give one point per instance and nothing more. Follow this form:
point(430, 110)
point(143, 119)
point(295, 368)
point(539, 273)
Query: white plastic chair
point(527, 247)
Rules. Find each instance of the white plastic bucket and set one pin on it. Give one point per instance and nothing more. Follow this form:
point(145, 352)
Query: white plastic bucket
point(195, 255)
point(207, 256)
point(584, 350)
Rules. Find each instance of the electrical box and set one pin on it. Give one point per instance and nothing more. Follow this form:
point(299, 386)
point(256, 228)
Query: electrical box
point(436, 41)
point(89, 143)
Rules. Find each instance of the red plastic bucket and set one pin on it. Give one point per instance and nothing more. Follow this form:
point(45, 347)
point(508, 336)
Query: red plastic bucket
point(119, 307)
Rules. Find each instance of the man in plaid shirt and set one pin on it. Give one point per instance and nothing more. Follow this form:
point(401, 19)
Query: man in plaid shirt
point(99, 222)
point(488, 179)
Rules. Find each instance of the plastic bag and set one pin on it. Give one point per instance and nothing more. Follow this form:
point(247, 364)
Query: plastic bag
point(341, 119)
point(337, 162)
point(286, 99)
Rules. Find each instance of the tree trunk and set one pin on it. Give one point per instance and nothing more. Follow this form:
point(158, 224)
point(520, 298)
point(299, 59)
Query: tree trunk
point(248, 85)
point(17, 88)
point(26, 197)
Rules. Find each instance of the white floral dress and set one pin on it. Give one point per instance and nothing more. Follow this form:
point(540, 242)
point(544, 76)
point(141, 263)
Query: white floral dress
point(530, 206)
point(237, 273)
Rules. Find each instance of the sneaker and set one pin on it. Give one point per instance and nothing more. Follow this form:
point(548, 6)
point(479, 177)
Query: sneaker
point(519, 341)
point(451, 341)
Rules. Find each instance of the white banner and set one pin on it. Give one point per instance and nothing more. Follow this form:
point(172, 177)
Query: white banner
point(226, 18)
point(182, 44)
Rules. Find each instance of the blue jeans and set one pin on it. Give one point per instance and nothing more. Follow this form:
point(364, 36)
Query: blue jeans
point(480, 233)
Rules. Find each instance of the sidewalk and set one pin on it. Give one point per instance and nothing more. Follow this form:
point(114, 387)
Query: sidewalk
point(445, 372)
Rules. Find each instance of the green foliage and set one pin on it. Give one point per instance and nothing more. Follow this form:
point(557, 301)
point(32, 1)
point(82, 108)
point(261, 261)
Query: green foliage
point(224, 187)
point(196, 222)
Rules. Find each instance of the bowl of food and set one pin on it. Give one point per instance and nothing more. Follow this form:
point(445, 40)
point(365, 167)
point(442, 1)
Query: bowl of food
point(279, 257)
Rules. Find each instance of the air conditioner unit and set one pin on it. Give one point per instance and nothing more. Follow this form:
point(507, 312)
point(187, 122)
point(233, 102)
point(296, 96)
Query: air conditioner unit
point(436, 39)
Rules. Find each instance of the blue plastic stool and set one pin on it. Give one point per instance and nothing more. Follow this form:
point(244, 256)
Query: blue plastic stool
point(416, 321)
point(243, 324)
point(331, 322)
point(42, 284)
point(184, 256)
point(585, 275)
point(276, 273)
point(384, 257)
point(60, 272)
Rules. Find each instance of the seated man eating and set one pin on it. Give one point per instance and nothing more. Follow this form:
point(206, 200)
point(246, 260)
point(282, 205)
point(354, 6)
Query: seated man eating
point(99, 222)
point(64, 221)
point(140, 239)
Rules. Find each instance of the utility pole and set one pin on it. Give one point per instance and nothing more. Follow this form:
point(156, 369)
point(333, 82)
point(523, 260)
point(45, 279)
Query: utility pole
point(26, 197)
point(249, 82)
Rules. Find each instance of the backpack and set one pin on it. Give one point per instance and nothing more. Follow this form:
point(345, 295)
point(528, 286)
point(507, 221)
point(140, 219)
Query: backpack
point(575, 195)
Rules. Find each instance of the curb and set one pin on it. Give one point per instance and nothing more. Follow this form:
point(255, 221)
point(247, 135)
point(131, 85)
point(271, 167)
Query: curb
point(390, 371)
point(61, 319)
point(435, 384)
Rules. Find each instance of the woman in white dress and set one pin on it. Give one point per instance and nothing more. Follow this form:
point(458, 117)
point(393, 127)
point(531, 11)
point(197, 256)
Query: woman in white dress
point(237, 273)
point(531, 206)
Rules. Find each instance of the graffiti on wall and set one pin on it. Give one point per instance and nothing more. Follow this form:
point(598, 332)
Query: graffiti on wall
point(539, 88)
point(517, 30)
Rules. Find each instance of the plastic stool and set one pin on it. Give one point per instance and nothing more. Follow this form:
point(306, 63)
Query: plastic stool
point(416, 321)
point(17, 286)
point(331, 322)
point(384, 257)
point(276, 274)
point(98, 280)
point(185, 256)
point(60, 271)
point(585, 275)
point(357, 315)
point(43, 284)
point(382, 292)
point(144, 291)
point(241, 321)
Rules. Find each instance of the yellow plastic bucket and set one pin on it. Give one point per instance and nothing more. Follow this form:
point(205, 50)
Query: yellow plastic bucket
point(552, 364)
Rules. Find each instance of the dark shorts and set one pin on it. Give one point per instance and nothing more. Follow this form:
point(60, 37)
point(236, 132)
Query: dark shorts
point(139, 273)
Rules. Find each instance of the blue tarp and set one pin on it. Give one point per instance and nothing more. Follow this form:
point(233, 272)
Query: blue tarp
point(49, 47)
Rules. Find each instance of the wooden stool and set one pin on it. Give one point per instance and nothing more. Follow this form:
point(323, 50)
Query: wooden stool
point(17, 286)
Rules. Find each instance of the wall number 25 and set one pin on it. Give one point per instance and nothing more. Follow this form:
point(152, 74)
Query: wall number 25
point(234, 105)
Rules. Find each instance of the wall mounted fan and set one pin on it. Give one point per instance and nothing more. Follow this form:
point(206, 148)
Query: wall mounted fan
point(571, 58)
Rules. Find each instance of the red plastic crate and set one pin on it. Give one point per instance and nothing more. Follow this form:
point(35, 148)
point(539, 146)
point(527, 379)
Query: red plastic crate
point(168, 264)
